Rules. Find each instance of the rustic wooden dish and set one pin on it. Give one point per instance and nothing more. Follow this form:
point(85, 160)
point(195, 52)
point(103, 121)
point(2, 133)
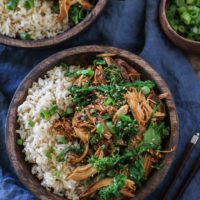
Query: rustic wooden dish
point(184, 43)
point(85, 23)
point(83, 55)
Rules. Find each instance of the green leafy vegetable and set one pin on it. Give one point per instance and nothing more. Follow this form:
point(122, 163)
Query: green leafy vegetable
point(113, 74)
point(152, 138)
point(77, 14)
point(102, 164)
point(136, 172)
point(112, 191)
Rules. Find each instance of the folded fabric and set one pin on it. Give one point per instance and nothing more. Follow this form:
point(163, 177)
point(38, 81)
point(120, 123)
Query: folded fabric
point(132, 25)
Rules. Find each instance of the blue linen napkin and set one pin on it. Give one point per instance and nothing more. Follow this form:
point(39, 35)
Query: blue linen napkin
point(128, 24)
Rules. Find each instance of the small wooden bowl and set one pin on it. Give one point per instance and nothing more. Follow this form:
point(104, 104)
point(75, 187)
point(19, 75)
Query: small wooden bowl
point(84, 55)
point(83, 25)
point(184, 43)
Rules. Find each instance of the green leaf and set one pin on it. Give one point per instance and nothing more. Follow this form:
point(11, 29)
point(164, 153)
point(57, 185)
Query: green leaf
point(152, 138)
point(31, 123)
point(137, 173)
point(112, 191)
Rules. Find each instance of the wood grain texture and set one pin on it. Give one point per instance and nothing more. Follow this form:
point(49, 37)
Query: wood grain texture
point(72, 32)
point(183, 43)
point(84, 55)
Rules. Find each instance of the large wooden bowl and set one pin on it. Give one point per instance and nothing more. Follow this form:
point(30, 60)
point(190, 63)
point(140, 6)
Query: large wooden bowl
point(183, 43)
point(84, 24)
point(84, 55)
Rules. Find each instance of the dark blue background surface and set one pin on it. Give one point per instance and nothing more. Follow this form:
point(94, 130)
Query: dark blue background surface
point(128, 24)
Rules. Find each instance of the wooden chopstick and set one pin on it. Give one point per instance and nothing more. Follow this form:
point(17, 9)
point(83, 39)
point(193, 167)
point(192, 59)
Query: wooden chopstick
point(187, 180)
point(189, 147)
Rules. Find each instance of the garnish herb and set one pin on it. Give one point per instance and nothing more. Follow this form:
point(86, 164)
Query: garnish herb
point(28, 4)
point(67, 112)
point(49, 151)
point(136, 172)
point(99, 61)
point(20, 142)
point(25, 36)
point(112, 191)
point(55, 8)
point(61, 140)
point(183, 16)
point(12, 4)
point(45, 114)
point(31, 123)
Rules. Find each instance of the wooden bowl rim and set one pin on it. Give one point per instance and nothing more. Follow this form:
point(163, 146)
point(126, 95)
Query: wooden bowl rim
point(156, 178)
point(66, 35)
point(164, 22)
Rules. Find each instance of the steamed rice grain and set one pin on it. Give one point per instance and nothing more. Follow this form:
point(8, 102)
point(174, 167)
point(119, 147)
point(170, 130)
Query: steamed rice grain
point(39, 22)
point(53, 175)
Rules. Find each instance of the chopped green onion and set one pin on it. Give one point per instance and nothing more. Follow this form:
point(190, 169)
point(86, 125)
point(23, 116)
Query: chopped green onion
point(25, 36)
point(49, 152)
point(52, 109)
point(99, 62)
point(125, 118)
point(55, 8)
point(146, 90)
point(85, 72)
point(61, 140)
point(20, 142)
point(99, 128)
point(109, 101)
point(31, 123)
point(44, 114)
point(12, 4)
point(28, 4)
point(110, 127)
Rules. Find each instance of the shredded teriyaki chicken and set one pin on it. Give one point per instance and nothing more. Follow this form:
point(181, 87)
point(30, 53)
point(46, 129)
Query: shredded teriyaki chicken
point(65, 5)
point(119, 122)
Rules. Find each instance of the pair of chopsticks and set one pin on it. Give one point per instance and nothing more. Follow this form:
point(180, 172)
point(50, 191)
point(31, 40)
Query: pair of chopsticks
point(188, 150)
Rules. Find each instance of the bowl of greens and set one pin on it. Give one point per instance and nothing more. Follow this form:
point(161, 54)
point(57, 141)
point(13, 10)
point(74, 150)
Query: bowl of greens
point(92, 122)
point(180, 20)
point(40, 23)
